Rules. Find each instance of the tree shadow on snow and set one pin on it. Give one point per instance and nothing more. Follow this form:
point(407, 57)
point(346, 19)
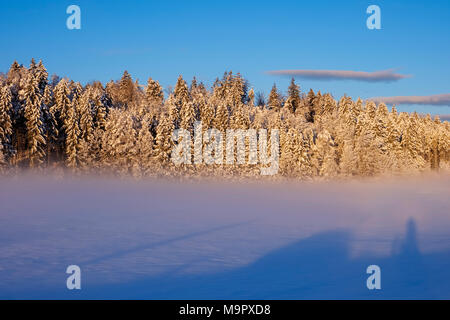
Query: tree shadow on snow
point(317, 267)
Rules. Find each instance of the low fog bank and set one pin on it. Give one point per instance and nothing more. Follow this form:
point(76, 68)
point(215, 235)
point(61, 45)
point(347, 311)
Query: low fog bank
point(165, 239)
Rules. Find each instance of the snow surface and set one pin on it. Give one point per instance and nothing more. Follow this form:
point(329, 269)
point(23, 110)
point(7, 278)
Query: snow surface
point(168, 240)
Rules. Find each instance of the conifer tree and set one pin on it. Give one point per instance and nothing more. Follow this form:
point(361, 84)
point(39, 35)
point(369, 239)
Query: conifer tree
point(260, 99)
point(274, 102)
point(293, 96)
point(32, 68)
point(173, 111)
point(86, 126)
point(62, 100)
point(126, 90)
point(327, 155)
point(84, 107)
point(194, 85)
point(290, 152)
point(50, 122)
point(154, 93)
point(251, 98)
point(33, 121)
point(207, 113)
point(100, 110)
point(199, 97)
point(312, 101)
point(348, 163)
point(163, 143)
point(145, 146)
point(6, 125)
point(181, 93)
point(221, 119)
point(2, 159)
point(240, 118)
point(71, 143)
point(42, 76)
point(14, 73)
point(237, 90)
point(187, 114)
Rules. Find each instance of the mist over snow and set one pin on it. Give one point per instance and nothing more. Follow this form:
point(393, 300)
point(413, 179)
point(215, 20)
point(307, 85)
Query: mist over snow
point(164, 240)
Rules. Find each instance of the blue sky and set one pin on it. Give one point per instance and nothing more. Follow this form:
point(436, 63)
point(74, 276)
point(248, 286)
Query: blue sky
point(163, 39)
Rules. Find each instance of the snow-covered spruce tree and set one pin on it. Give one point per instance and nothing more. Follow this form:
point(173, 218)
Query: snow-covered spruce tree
point(32, 68)
point(237, 92)
point(290, 145)
point(126, 92)
point(348, 164)
point(306, 166)
point(240, 118)
point(194, 85)
point(72, 132)
point(84, 109)
point(293, 97)
point(100, 110)
point(434, 144)
point(181, 93)
point(221, 119)
point(356, 110)
point(188, 115)
point(412, 144)
point(327, 155)
point(118, 153)
point(154, 93)
point(41, 75)
point(274, 102)
point(381, 122)
point(144, 146)
point(33, 121)
point(207, 113)
point(251, 98)
point(163, 140)
point(312, 101)
point(444, 145)
point(3, 162)
point(260, 99)
point(15, 73)
point(172, 110)
point(76, 90)
point(329, 107)
point(112, 91)
point(344, 126)
point(371, 109)
point(50, 122)
point(62, 101)
point(86, 125)
point(177, 100)
point(200, 98)
point(5, 122)
point(367, 146)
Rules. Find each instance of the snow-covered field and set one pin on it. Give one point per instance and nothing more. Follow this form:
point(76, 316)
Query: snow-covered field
point(167, 240)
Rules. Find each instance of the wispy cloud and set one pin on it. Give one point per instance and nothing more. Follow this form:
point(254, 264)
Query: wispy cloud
point(444, 117)
point(438, 99)
point(376, 76)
